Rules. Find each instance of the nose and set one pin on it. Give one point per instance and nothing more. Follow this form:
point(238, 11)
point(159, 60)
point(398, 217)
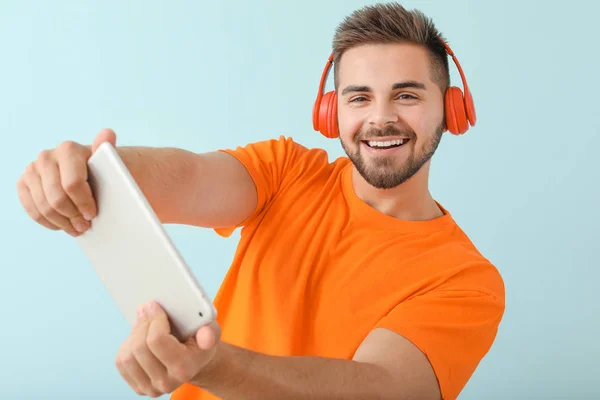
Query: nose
point(382, 115)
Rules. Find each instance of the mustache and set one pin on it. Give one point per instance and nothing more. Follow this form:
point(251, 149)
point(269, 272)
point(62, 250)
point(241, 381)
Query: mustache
point(388, 131)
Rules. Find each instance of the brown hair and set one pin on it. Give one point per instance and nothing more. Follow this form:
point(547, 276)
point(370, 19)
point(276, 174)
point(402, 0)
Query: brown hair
point(392, 23)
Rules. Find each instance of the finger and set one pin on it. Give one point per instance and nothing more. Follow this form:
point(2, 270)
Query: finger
point(167, 349)
point(29, 206)
point(58, 199)
point(137, 375)
point(208, 336)
point(155, 370)
point(105, 135)
point(126, 362)
point(127, 377)
point(130, 360)
point(34, 184)
point(72, 164)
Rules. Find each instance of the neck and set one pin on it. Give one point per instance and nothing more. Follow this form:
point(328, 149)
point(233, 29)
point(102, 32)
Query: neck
point(409, 201)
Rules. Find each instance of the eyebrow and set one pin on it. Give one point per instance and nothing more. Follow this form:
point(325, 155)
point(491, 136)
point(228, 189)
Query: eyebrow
point(395, 86)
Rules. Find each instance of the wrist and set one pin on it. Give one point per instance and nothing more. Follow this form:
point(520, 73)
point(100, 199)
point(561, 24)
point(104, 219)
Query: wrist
point(210, 371)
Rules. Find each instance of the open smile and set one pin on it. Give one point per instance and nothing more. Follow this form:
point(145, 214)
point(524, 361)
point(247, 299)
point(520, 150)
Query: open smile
point(384, 146)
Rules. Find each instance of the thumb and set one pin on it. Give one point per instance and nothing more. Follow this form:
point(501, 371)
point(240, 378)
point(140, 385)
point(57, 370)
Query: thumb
point(208, 336)
point(105, 135)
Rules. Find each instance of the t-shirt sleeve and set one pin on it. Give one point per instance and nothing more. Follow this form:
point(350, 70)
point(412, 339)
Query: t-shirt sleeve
point(269, 164)
point(454, 328)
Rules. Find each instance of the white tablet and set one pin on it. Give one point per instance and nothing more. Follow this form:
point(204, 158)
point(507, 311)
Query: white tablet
point(132, 253)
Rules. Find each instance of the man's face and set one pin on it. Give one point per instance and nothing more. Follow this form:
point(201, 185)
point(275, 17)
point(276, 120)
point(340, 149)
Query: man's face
point(390, 112)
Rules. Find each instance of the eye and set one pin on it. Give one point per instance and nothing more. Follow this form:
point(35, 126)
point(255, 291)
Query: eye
point(406, 96)
point(358, 99)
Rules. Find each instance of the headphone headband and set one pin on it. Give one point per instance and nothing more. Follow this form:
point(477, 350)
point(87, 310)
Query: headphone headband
point(324, 76)
point(458, 66)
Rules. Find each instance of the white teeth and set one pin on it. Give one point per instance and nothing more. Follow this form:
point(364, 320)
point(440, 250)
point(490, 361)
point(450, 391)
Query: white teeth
point(388, 143)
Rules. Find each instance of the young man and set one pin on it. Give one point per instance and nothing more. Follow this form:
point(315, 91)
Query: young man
point(350, 281)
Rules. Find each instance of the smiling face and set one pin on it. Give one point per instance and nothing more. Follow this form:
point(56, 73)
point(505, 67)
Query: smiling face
point(390, 111)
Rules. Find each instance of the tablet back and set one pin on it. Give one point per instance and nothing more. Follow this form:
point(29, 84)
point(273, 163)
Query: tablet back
point(132, 253)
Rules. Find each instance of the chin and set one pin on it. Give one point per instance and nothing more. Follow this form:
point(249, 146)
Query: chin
point(385, 179)
point(388, 172)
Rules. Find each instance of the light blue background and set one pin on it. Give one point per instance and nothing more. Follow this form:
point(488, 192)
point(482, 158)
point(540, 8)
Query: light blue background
point(523, 183)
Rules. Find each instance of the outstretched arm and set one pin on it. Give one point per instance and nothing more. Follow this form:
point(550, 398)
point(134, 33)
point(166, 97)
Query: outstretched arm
point(386, 366)
point(153, 362)
point(210, 189)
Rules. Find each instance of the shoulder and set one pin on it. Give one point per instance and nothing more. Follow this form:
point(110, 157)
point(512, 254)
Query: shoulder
point(467, 268)
point(293, 157)
point(282, 150)
point(442, 258)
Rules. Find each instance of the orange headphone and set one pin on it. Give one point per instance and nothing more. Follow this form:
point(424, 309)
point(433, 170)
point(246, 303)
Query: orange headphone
point(459, 109)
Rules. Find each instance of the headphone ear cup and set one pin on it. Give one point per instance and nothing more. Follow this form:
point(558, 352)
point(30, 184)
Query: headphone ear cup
point(327, 118)
point(315, 114)
point(470, 107)
point(456, 116)
point(332, 121)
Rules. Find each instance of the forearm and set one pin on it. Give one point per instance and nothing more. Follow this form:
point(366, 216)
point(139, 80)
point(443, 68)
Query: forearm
point(210, 189)
point(238, 373)
point(166, 176)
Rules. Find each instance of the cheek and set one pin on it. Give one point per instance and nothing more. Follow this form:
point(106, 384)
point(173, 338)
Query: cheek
point(424, 121)
point(349, 124)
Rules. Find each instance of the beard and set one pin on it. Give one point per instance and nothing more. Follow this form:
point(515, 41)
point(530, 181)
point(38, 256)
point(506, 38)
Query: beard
point(384, 172)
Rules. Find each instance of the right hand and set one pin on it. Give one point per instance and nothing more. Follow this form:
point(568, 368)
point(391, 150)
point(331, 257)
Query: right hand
point(54, 189)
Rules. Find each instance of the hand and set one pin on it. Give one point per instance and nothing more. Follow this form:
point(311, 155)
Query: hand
point(153, 362)
point(54, 189)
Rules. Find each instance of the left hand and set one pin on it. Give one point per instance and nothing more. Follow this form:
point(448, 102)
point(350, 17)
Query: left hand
point(154, 362)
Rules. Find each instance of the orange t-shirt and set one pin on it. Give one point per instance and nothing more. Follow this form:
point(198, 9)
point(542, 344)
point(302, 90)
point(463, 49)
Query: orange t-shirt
point(317, 269)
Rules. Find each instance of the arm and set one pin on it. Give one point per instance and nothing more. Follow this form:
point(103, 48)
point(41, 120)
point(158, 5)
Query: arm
point(386, 366)
point(208, 189)
point(455, 329)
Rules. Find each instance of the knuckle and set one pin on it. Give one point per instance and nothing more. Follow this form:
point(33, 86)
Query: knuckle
point(30, 169)
point(23, 192)
point(44, 156)
point(68, 146)
point(145, 389)
point(154, 340)
point(72, 185)
point(120, 361)
point(150, 391)
point(43, 161)
point(57, 200)
point(37, 216)
point(163, 385)
point(47, 210)
point(21, 185)
point(127, 360)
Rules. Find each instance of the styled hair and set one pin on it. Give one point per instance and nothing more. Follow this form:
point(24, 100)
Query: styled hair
point(385, 23)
